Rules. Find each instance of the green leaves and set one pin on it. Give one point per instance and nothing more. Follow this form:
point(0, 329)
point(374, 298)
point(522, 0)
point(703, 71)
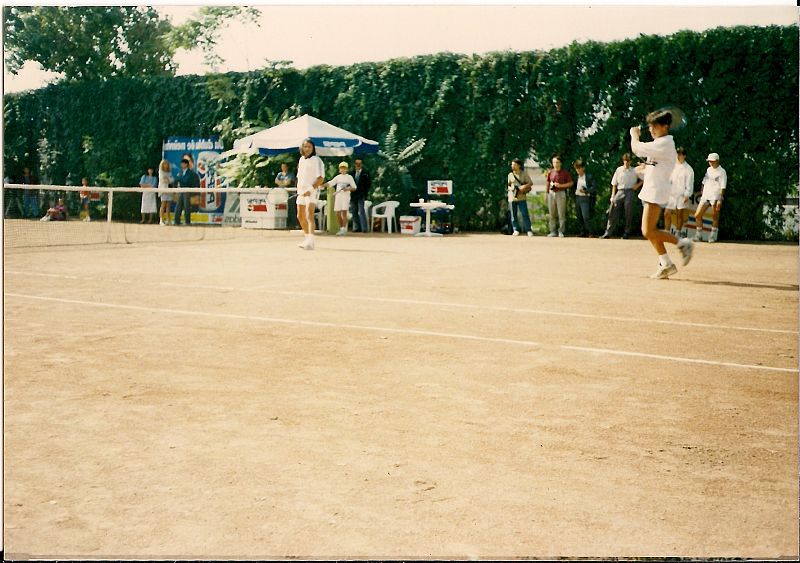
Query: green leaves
point(203, 30)
point(101, 42)
point(90, 42)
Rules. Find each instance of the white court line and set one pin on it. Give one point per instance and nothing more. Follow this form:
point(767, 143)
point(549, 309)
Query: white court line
point(41, 274)
point(530, 311)
point(412, 331)
point(446, 304)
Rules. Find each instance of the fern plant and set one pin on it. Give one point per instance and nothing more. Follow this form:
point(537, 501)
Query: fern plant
point(393, 179)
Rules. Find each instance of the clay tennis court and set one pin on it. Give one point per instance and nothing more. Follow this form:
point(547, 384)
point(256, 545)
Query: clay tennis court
point(395, 397)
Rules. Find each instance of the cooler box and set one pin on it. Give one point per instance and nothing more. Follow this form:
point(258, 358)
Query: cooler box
point(277, 209)
point(410, 224)
point(259, 211)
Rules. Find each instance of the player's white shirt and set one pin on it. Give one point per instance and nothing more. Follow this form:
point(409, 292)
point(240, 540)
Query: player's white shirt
point(623, 179)
point(308, 170)
point(661, 159)
point(682, 180)
point(715, 180)
point(342, 182)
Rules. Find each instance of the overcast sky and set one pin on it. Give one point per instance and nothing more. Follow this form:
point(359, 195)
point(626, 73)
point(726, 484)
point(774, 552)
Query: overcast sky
point(337, 34)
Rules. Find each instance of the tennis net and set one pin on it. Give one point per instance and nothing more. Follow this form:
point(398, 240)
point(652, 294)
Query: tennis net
point(52, 215)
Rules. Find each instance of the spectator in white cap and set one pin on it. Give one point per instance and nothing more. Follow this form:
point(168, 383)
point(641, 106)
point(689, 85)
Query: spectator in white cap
point(714, 183)
point(344, 184)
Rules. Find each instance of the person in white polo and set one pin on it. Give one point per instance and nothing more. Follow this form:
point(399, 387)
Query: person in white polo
point(682, 181)
point(714, 183)
point(661, 159)
point(344, 184)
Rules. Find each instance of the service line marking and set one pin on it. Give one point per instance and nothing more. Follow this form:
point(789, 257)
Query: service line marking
point(443, 304)
point(412, 331)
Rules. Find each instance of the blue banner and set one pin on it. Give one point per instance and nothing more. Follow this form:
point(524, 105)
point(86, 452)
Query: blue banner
point(200, 152)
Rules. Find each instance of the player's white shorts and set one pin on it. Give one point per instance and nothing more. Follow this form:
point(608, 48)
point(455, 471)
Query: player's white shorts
point(307, 199)
point(710, 197)
point(709, 202)
point(341, 201)
point(676, 202)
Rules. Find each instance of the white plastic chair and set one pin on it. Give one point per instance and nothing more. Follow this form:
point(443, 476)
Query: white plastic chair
point(320, 215)
point(367, 205)
point(385, 211)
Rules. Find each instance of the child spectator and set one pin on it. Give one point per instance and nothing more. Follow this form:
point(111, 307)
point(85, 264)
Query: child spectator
point(344, 184)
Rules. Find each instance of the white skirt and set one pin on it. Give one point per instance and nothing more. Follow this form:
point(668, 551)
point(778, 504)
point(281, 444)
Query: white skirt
point(149, 202)
point(656, 195)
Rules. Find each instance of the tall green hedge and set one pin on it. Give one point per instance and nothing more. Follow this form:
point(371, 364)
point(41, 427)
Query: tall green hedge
point(738, 86)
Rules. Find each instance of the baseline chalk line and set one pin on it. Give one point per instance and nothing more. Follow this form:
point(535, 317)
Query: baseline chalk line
point(411, 331)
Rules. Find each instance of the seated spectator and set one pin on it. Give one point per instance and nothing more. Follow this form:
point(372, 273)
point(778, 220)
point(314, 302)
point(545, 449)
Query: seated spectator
point(57, 213)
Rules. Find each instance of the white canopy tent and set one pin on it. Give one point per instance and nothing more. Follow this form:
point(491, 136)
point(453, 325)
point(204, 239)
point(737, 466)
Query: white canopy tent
point(286, 137)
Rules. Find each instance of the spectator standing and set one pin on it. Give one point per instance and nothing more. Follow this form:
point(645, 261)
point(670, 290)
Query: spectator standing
point(661, 159)
point(359, 197)
point(285, 178)
point(585, 189)
point(557, 182)
point(714, 183)
point(165, 181)
point(149, 206)
point(310, 175)
point(86, 197)
point(345, 185)
point(624, 185)
point(682, 182)
point(30, 198)
point(56, 213)
point(519, 183)
point(186, 178)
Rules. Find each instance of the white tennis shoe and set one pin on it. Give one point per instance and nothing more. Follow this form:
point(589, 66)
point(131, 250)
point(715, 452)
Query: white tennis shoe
point(664, 272)
point(687, 248)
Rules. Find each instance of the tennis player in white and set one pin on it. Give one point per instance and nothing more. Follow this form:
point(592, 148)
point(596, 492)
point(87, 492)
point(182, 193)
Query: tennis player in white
point(714, 183)
point(661, 158)
point(310, 175)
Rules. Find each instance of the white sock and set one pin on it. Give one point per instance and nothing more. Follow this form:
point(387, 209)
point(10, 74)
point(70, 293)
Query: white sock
point(664, 260)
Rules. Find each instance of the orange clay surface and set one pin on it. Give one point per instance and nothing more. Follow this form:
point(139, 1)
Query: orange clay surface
point(386, 396)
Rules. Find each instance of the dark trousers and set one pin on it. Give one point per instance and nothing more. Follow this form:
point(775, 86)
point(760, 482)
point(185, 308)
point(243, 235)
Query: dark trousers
point(626, 204)
point(359, 215)
point(31, 205)
point(583, 209)
point(522, 207)
point(183, 205)
point(14, 200)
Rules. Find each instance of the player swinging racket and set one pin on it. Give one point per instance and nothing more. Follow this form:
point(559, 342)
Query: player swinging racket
point(661, 158)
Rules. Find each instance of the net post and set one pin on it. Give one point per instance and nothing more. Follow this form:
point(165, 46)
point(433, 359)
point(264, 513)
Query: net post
point(108, 215)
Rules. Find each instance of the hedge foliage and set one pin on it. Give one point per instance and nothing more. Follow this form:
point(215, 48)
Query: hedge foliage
point(738, 87)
